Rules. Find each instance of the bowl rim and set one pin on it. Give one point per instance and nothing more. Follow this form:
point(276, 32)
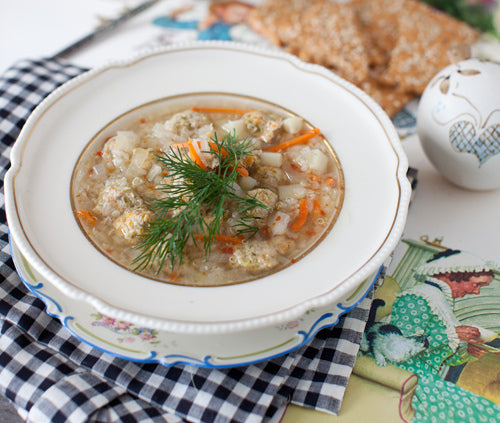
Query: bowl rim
point(348, 285)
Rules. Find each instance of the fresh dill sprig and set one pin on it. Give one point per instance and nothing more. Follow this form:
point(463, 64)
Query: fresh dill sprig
point(193, 204)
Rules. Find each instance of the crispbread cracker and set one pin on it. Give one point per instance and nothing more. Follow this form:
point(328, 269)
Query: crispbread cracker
point(389, 48)
point(425, 35)
point(332, 37)
point(279, 20)
point(391, 98)
point(379, 21)
point(321, 32)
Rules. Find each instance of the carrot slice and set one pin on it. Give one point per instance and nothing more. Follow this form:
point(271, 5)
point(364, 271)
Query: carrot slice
point(295, 141)
point(195, 156)
point(242, 171)
point(218, 149)
point(229, 239)
point(330, 181)
point(222, 238)
point(185, 144)
point(181, 145)
point(218, 110)
point(87, 215)
point(302, 216)
point(317, 208)
point(314, 177)
point(212, 144)
point(239, 168)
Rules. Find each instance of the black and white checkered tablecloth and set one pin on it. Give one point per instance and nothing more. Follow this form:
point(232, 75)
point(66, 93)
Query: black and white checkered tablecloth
point(51, 376)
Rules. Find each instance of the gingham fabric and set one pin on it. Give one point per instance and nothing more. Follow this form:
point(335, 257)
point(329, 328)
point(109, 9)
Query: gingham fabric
point(51, 376)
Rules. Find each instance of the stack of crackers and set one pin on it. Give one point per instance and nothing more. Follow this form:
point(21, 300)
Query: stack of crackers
point(389, 48)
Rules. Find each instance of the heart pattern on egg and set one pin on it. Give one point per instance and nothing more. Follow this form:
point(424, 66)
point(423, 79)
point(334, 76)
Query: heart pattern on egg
point(464, 138)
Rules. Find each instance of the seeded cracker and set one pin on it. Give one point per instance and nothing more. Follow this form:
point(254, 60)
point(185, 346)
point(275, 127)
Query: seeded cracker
point(379, 22)
point(332, 37)
point(425, 35)
point(389, 48)
point(280, 21)
point(319, 31)
point(390, 98)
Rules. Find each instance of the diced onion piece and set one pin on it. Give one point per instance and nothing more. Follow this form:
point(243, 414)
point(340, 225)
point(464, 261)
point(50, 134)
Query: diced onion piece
point(137, 181)
point(255, 143)
point(140, 157)
point(200, 146)
point(138, 163)
point(271, 159)
point(99, 169)
point(164, 137)
point(237, 126)
point(291, 191)
point(247, 182)
point(293, 124)
point(154, 172)
point(237, 189)
point(126, 140)
point(279, 223)
point(167, 138)
point(312, 160)
point(205, 132)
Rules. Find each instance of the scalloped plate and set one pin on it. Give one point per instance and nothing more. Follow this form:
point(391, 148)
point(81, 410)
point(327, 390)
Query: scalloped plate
point(43, 226)
point(127, 340)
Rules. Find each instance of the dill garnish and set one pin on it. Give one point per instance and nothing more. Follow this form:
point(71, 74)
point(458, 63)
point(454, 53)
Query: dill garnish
point(193, 203)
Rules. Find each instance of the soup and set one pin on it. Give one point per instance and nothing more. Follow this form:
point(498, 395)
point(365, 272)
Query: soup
point(207, 189)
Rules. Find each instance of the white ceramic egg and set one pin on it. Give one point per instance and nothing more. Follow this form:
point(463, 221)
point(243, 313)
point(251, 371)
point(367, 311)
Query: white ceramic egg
point(458, 123)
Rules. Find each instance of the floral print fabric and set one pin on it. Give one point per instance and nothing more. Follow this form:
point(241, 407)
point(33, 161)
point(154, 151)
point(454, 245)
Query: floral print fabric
point(437, 400)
